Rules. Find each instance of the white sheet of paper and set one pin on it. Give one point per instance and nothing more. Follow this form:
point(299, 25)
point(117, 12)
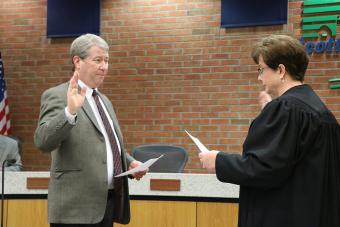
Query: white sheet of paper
point(198, 143)
point(140, 168)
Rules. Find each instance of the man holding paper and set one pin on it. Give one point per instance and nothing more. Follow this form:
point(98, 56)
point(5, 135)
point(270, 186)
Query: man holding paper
point(289, 172)
point(78, 127)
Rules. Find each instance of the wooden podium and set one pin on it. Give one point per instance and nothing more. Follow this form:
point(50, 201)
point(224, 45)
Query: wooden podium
point(146, 211)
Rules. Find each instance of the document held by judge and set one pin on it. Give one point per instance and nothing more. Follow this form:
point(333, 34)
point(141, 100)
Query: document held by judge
point(201, 147)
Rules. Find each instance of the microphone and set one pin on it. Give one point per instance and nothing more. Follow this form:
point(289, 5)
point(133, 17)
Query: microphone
point(9, 162)
point(6, 162)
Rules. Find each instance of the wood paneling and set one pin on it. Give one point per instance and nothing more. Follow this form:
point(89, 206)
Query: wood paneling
point(162, 214)
point(217, 214)
point(26, 213)
point(144, 213)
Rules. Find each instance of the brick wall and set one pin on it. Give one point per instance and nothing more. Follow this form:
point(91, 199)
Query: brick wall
point(171, 68)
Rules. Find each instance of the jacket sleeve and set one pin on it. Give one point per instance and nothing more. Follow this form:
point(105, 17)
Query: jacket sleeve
point(53, 126)
point(270, 151)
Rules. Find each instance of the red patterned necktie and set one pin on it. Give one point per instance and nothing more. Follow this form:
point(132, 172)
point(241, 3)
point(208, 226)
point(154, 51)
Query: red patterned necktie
point(117, 163)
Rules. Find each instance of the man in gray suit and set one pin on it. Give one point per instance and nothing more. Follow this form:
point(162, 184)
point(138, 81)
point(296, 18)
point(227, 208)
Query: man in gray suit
point(78, 126)
point(9, 150)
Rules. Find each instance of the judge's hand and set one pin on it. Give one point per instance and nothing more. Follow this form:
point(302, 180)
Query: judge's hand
point(264, 98)
point(140, 174)
point(208, 159)
point(75, 100)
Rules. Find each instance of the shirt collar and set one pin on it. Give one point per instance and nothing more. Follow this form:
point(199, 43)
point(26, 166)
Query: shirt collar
point(89, 90)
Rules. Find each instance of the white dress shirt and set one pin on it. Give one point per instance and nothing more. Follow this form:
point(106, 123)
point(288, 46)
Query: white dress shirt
point(72, 119)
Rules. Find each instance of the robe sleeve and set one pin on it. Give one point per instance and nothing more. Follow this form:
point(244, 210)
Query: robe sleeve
point(271, 149)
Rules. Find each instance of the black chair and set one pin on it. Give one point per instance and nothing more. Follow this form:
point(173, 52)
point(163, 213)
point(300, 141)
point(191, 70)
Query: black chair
point(173, 161)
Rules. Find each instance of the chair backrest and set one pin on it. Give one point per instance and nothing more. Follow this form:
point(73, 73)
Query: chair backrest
point(173, 161)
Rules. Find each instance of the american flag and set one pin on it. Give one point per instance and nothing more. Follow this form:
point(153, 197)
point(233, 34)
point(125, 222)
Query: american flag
point(5, 124)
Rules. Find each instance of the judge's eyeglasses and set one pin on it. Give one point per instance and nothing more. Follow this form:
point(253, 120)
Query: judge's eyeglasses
point(261, 69)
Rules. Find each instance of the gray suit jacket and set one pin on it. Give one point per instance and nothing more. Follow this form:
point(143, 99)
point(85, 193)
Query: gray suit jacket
point(78, 183)
point(9, 149)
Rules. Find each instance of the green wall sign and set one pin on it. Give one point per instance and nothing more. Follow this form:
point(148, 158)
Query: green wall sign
point(320, 14)
point(320, 19)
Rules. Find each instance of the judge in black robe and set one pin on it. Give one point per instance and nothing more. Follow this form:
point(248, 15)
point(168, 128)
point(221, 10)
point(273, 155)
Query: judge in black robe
point(289, 172)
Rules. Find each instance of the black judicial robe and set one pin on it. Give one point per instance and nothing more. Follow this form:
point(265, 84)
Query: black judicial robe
point(289, 172)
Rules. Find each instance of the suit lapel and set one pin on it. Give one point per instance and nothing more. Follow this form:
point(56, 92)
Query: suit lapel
point(88, 111)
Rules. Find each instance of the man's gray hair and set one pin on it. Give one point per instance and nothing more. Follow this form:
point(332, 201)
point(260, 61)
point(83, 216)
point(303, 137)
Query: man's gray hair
point(81, 45)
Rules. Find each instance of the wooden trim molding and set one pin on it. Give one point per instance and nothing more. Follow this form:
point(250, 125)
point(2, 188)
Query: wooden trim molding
point(165, 185)
point(37, 182)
